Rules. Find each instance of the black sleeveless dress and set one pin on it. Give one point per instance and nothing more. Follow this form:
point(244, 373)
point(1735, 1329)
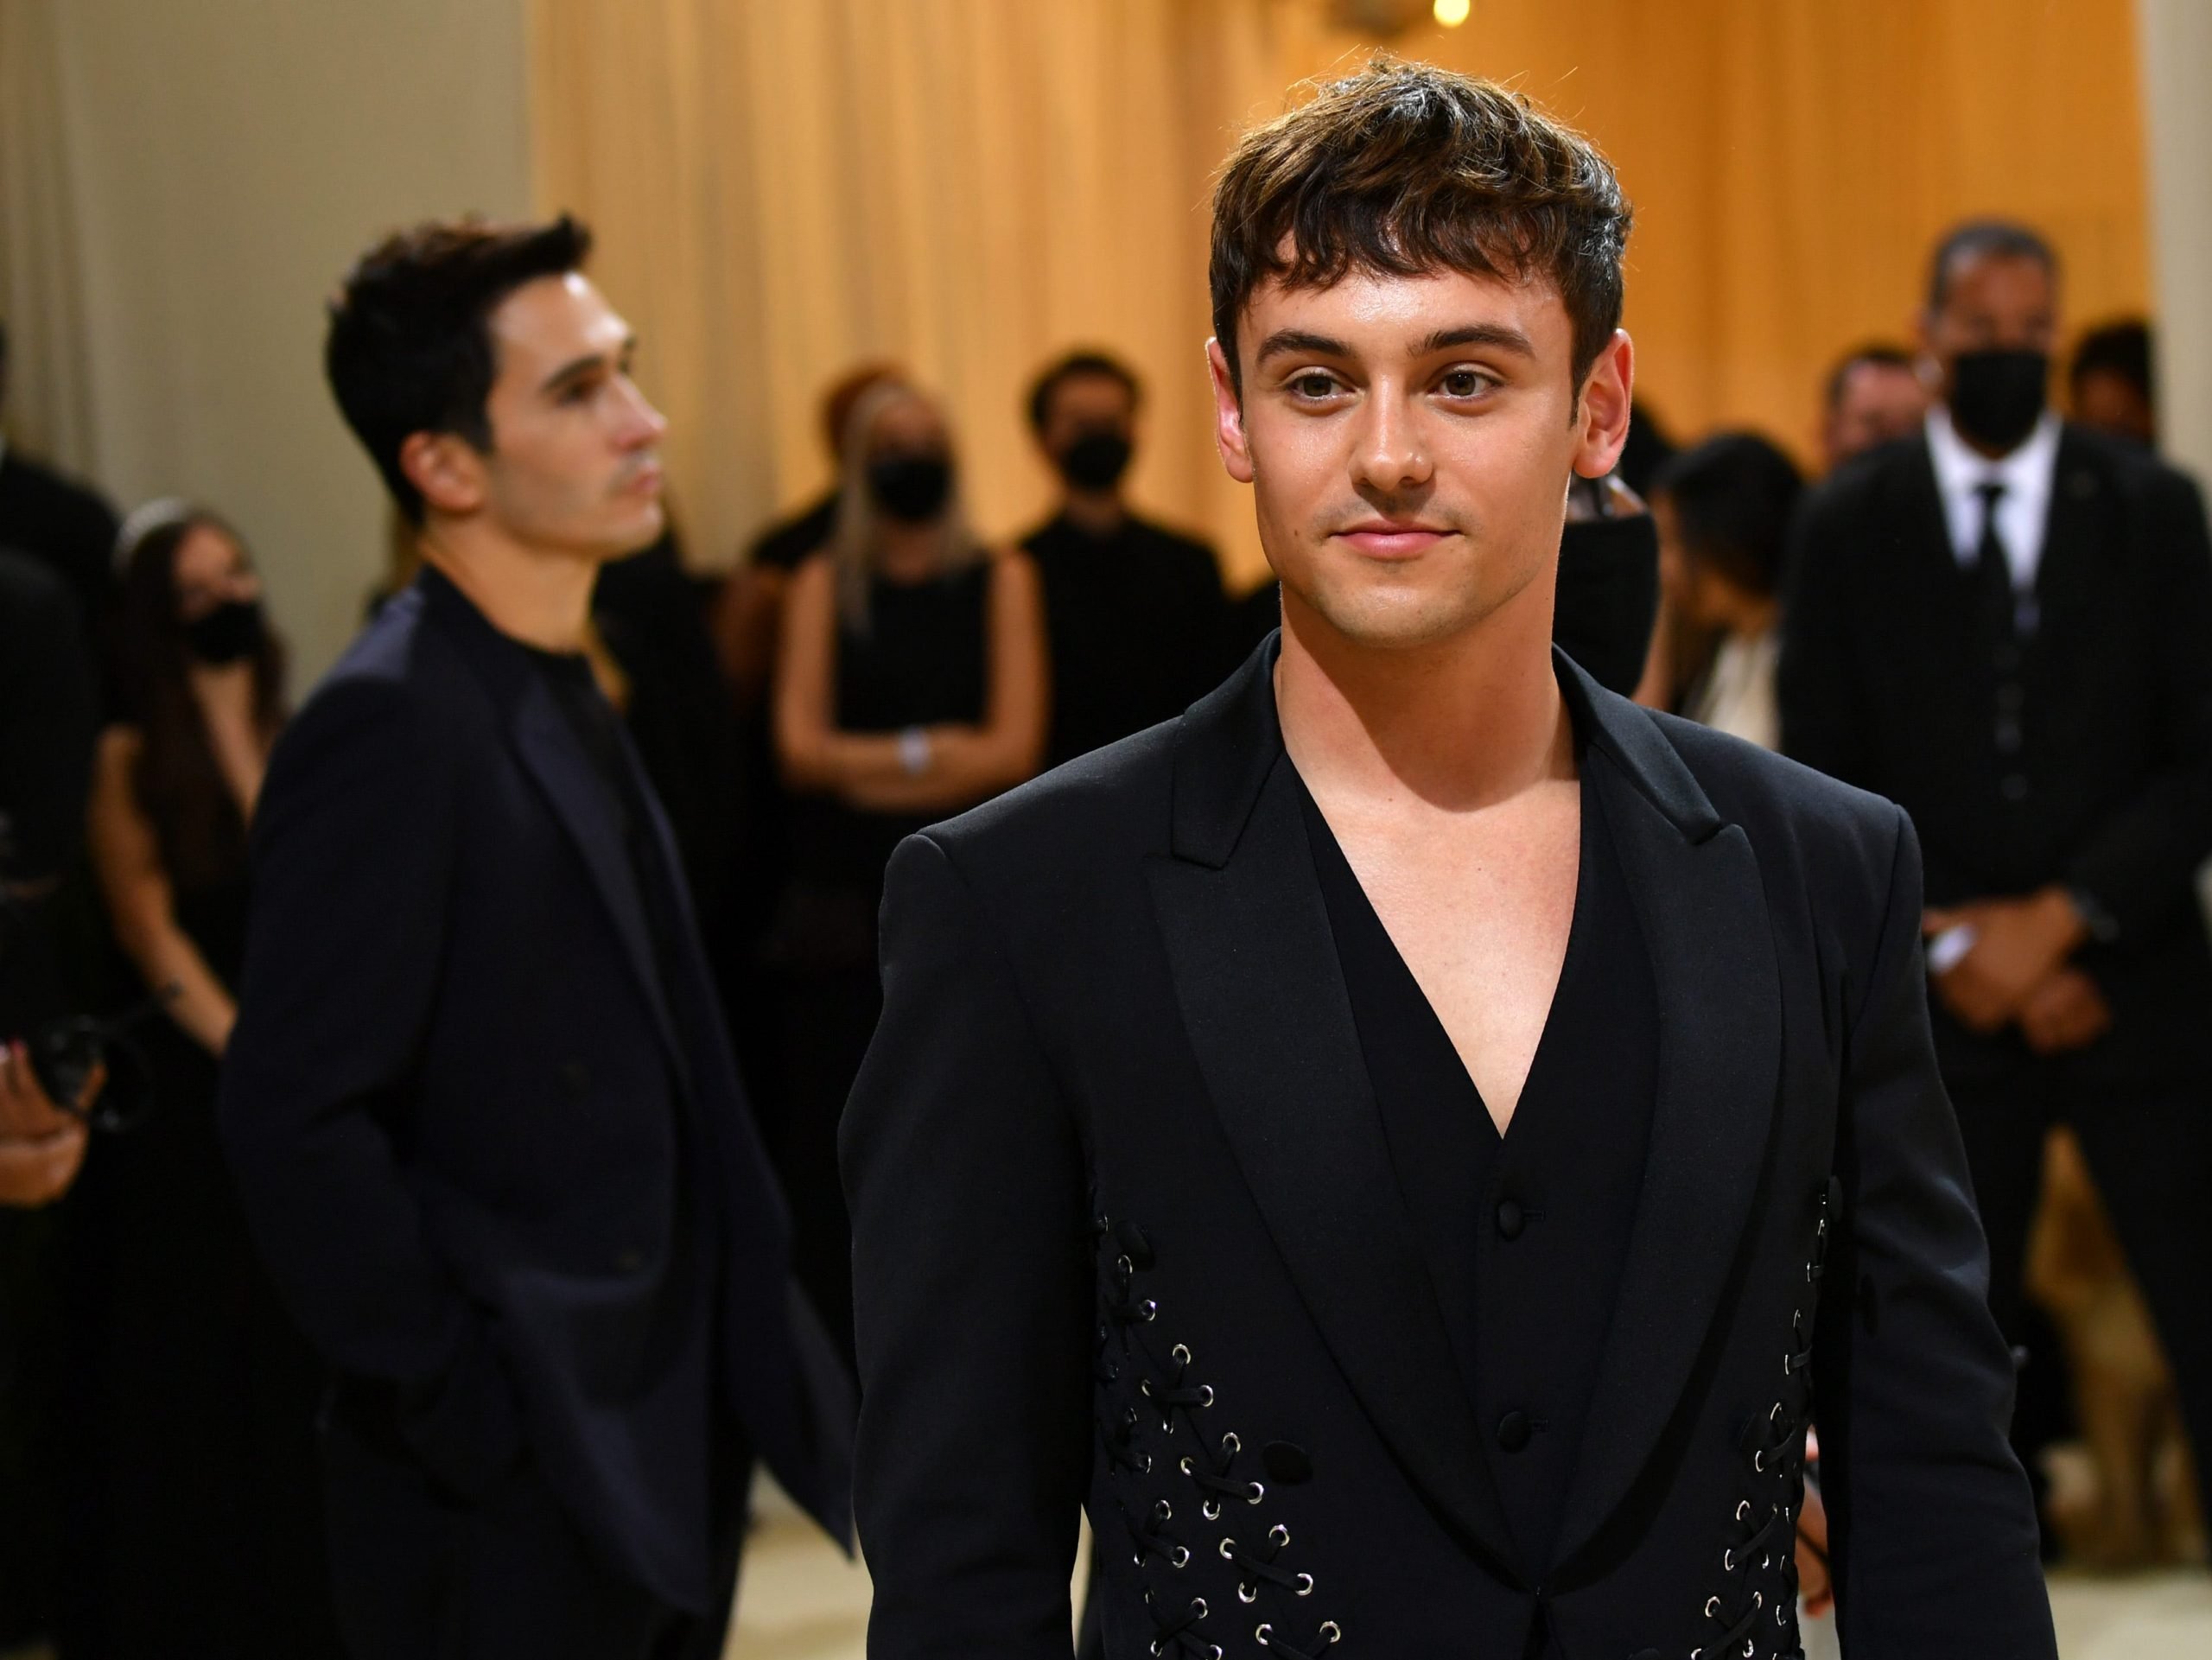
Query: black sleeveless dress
point(923, 660)
point(194, 1525)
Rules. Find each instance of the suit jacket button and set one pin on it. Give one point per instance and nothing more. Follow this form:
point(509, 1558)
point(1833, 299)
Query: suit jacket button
point(1510, 1218)
point(629, 1261)
point(1513, 1431)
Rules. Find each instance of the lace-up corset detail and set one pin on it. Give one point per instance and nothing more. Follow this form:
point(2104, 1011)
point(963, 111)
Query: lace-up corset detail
point(1189, 1490)
point(1753, 1611)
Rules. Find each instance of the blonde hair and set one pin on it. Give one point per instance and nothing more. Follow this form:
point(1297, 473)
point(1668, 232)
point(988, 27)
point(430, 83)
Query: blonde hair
point(859, 529)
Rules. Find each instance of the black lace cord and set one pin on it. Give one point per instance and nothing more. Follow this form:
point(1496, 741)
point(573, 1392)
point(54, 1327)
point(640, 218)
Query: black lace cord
point(1152, 1536)
point(1272, 1639)
point(1776, 1459)
point(1258, 1569)
point(1177, 1628)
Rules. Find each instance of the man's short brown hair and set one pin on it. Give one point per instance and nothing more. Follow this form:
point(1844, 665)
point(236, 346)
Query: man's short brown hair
point(1405, 169)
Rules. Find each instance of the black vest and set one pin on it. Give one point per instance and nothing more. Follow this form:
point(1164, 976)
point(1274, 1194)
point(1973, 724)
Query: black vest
point(1524, 1234)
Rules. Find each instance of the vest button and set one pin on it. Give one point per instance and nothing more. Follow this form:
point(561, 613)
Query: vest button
point(1513, 1431)
point(1510, 1218)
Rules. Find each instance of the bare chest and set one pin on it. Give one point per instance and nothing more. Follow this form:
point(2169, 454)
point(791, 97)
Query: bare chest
point(1482, 915)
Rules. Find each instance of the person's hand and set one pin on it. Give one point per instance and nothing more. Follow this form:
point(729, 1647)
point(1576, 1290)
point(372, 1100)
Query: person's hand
point(1815, 1584)
point(2018, 944)
point(2066, 1012)
point(41, 1147)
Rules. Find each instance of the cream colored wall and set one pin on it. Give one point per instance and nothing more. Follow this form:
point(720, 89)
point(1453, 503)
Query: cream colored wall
point(227, 157)
point(2176, 38)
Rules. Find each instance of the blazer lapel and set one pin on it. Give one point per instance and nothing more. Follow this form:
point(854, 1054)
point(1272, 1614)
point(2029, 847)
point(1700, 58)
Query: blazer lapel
point(1703, 911)
point(1263, 1001)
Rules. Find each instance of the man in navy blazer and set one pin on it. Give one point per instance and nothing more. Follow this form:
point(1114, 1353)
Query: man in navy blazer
point(479, 1106)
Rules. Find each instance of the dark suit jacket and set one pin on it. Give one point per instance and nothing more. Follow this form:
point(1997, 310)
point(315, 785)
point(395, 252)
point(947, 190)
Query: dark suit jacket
point(1127, 1236)
point(454, 1094)
point(63, 526)
point(1886, 682)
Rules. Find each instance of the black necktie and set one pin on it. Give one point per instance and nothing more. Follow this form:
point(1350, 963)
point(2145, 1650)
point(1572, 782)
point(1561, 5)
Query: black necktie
point(1993, 568)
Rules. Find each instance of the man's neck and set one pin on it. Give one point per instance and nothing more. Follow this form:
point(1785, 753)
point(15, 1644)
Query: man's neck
point(1099, 512)
point(532, 594)
point(1457, 726)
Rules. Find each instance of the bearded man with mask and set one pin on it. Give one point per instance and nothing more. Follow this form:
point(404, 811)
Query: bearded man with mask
point(2000, 623)
point(1138, 625)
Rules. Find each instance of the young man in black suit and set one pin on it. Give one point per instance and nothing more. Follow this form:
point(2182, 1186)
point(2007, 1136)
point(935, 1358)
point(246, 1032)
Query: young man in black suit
point(1133, 612)
point(1409, 1145)
point(2002, 623)
point(479, 1102)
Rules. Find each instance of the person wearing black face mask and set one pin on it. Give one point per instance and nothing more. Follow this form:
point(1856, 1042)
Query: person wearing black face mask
point(2000, 622)
point(910, 685)
point(201, 1492)
point(1135, 611)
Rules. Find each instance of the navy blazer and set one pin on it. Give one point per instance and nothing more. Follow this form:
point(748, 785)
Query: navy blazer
point(1128, 1235)
point(454, 1095)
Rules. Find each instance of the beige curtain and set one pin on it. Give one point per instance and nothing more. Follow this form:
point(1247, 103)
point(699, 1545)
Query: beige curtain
point(972, 185)
point(50, 402)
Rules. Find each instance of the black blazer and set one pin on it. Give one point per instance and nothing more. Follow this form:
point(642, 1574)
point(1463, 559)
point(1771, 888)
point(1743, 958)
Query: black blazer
point(452, 1094)
point(1883, 683)
point(1128, 1236)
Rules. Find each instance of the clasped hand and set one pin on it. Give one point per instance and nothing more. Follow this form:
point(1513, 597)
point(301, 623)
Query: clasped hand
point(2017, 971)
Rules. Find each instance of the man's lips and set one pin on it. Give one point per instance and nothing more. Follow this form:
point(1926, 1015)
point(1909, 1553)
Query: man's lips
point(646, 482)
point(1381, 538)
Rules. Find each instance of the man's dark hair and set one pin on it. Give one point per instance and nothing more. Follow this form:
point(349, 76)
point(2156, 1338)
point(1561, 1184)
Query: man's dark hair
point(1073, 366)
point(1733, 496)
point(1876, 353)
point(409, 347)
point(2121, 348)
point(1407, 169)
point(1984, 238)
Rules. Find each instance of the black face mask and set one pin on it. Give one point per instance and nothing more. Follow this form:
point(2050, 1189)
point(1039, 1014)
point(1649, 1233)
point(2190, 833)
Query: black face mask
point(1998, 397)
point(912, 489)
point(1097, 460)
point(229, 633)
point(1608, 597)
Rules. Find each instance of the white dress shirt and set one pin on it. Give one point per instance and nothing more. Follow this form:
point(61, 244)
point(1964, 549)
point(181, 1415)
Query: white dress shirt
point(2022, 511)
point(1737, 695)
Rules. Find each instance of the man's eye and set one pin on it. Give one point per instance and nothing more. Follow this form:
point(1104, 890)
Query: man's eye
point(578, 391)
point(1466, 383)
point(1313, 385)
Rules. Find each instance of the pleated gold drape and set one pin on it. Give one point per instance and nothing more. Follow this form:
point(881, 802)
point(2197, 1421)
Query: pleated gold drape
point(782, 186)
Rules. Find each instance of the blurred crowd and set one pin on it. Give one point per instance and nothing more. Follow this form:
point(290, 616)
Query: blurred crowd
point(872, 662)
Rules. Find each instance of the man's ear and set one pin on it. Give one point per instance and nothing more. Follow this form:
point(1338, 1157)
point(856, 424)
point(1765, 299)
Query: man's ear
point(1602, 412)
point(1227, 416)
point(447, 469)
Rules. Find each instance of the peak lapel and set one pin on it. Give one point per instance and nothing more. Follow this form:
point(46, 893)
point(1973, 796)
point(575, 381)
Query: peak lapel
point(1697, 890)
point(1263, 1001)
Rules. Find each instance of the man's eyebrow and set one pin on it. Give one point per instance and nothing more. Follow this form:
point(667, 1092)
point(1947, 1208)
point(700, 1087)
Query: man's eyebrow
point(576, 368)
point(1499, 335)
point(1300, 342)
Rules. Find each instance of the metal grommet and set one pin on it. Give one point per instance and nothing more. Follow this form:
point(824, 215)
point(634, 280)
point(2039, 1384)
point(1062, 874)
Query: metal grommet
point(1728, 1560)
point(1149, 1309)
point(1124, 1267)
point(1181, 1558)
point(1162, 1510)
point(1211, 1510)
point(1205, 1391)
point(1247, 1593)
point(1712, 1608)
point(1184, 1465)
point(1743, 1508)
point(1231, 1446)
point(1333, 1631)
point(1228, 1548)
point(1261, 1634)
point(1305, 1585)
point(1278, 1536)
point(1255, 1492)
point(1145, 1469)
point(1180, 1354)
point(1198, 1607)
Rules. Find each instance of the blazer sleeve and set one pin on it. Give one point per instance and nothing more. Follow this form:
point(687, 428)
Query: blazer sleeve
point(1932, 1529)
point(972, 1291)
point(2140, 864)
point(353, 858)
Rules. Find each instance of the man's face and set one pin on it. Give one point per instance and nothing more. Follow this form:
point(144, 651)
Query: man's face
point(574, 465)
point(1994, 302)
point(1083, 403)
point(1409, 441)
point(1879, 402)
